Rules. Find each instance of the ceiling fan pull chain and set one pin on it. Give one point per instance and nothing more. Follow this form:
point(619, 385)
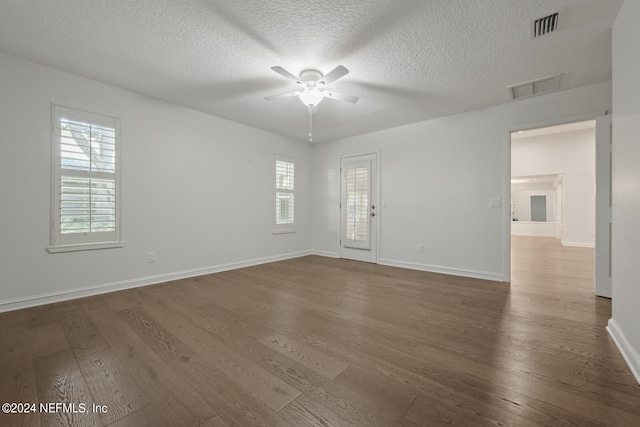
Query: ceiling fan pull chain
point(310, 124)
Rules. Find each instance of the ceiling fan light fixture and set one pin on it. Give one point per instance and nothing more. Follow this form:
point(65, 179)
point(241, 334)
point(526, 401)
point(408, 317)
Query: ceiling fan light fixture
point(311, 97)
point(310, 94)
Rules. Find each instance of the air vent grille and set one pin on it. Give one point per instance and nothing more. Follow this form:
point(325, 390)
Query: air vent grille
point(546, 25)
point(535, 87)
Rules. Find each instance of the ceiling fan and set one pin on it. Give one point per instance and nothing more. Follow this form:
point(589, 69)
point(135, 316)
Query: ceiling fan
point(311, 82)
point(312, 90)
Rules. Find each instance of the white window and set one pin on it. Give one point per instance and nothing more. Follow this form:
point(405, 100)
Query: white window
point(284, 194)
point(85, 201)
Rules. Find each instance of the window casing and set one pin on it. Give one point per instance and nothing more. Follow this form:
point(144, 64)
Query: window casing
point(86, 185)
point(284, 194)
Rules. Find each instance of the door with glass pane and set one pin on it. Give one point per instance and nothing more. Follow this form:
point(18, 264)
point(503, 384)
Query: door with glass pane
point(358, 208)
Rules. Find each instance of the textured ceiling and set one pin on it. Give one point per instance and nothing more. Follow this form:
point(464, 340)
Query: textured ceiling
point(409, 60)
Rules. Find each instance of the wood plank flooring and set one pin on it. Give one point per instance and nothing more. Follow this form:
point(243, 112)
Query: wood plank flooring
point(323, 342)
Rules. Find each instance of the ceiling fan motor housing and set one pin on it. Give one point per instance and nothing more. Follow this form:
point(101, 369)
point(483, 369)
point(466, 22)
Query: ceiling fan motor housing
point(310, 77)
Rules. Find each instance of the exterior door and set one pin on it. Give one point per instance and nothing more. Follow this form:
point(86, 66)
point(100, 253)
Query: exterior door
point(603, 207)
point(359, 208)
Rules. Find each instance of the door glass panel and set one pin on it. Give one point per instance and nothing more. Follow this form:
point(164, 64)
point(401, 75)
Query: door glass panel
point(356, 209)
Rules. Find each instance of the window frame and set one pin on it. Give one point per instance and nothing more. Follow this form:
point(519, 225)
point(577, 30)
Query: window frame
point(67, 242)
point(289, 227)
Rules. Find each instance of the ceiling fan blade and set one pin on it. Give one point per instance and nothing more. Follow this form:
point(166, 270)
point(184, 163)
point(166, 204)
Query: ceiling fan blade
point(333, 75)
point(282, 95)
point(340, 96)
point(287, 75)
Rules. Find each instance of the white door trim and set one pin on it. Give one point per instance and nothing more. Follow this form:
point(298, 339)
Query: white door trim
point(604, 147)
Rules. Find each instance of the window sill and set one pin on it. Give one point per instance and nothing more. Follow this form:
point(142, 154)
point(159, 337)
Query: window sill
point(84, 247)
point(284, 231)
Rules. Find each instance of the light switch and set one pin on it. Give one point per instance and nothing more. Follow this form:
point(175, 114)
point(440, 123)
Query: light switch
point(495, 202)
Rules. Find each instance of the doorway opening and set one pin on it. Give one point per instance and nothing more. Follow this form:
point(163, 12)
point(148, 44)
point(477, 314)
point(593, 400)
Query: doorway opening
point(553, 205)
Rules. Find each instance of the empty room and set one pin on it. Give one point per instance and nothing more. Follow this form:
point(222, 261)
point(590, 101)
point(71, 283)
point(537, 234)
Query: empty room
point(286, 213)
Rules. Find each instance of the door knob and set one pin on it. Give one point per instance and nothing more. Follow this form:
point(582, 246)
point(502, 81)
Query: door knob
point(373, 214)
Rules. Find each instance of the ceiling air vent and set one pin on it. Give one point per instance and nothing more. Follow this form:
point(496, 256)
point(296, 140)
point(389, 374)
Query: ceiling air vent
point(545, 25)
point(535, 87)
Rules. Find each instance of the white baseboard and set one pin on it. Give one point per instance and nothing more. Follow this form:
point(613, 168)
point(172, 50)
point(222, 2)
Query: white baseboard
point(325, 254)
point(69, 294)
point(444, 270)
point(516, 233)
point(629, 354)
point(578, 244)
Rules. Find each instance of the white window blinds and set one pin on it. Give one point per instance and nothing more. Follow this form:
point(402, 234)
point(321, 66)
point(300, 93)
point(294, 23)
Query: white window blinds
point(356, 214)
point(284, 185)
point(85, 189)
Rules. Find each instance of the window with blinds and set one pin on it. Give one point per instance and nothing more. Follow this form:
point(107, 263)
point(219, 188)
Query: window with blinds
point(356, 214)
point(284, 191)
point(85, 189)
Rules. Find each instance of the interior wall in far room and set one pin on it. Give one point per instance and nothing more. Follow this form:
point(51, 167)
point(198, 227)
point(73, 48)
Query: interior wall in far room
point(571, 153)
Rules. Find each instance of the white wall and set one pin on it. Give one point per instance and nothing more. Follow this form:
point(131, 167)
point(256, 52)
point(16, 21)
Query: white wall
point(436, 180)
point(571, 153)
point(194, 190)
point(536, 229)
point(626, 185)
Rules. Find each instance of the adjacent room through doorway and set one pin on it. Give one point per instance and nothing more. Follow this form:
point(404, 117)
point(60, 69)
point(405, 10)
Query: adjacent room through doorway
point(552, 205)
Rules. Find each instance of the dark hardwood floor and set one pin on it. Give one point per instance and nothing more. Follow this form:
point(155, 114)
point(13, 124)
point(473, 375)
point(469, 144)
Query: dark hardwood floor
point(324, 342)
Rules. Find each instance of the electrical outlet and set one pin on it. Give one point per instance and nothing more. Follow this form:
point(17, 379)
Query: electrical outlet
point(152, 257)
point(421, 248)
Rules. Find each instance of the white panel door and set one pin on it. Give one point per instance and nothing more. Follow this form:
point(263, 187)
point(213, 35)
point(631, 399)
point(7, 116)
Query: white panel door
point(358, 208)
point(603, 207)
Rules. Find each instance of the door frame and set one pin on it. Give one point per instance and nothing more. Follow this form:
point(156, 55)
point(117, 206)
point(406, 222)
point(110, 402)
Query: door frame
point(506, 260)
point(375, 165)
point(604, 180)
